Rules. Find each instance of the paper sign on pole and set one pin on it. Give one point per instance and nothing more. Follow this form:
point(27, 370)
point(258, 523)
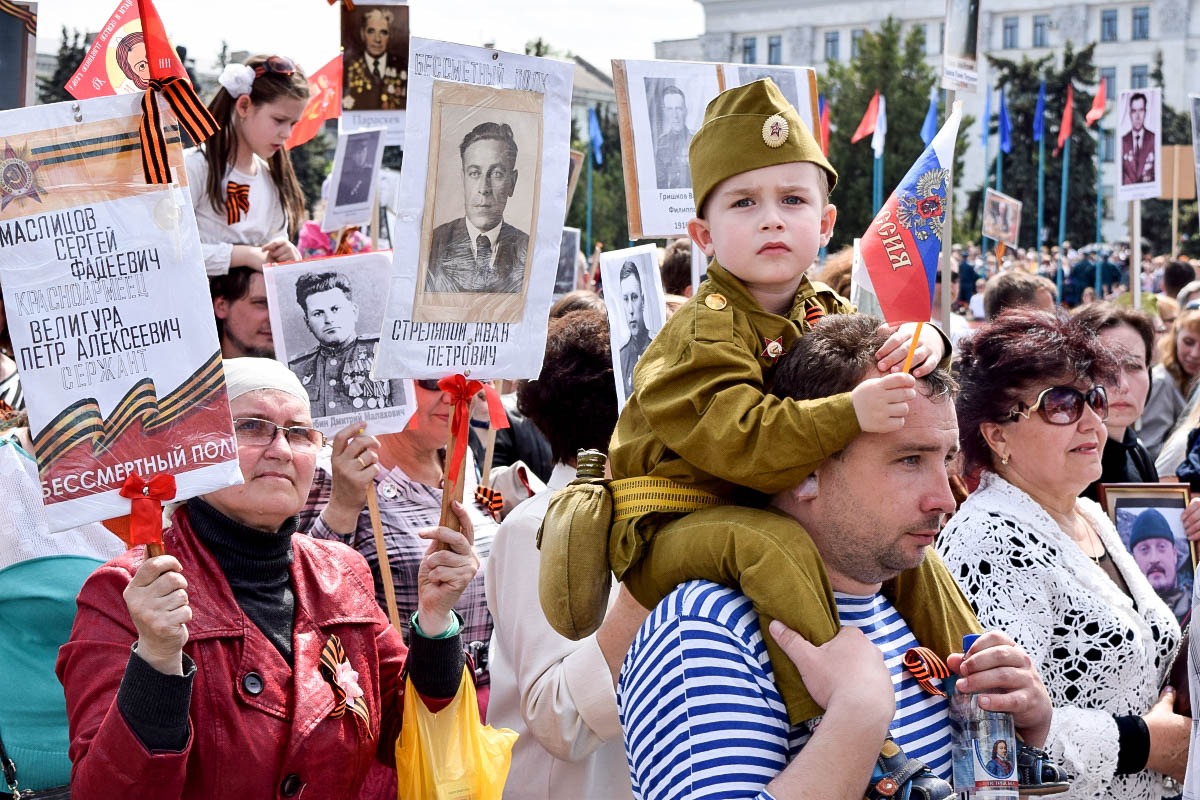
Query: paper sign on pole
point(354, 179)
point(960, 48)
point(107, 304)
point(480, 214)
point(637, 308)
point(375, 67)
point(1139, 145)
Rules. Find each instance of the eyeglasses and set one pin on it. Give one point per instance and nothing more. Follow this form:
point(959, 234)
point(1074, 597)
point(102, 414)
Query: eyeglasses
point(261, 432)
point(276, 64)
point(1063, 405)
point(429, 385)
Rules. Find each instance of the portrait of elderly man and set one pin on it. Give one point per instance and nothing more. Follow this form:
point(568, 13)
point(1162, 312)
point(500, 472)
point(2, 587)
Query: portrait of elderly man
point(337, 374)
point(479, 251)
point(671, 144)
point(1153, 547)
point(633, 301)
point(1137, 145)
point(377, 69)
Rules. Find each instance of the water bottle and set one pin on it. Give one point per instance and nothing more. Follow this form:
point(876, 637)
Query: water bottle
point(984, 745)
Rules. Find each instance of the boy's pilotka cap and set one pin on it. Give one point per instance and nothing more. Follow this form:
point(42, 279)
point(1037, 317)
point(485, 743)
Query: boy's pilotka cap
point(745, 128)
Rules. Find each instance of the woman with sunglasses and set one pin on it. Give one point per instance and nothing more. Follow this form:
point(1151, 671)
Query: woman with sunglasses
point(248, 661)
point(1048, 567)
point(248, 202)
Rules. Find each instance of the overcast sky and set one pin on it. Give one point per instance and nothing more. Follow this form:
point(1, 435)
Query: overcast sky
point(307, 30)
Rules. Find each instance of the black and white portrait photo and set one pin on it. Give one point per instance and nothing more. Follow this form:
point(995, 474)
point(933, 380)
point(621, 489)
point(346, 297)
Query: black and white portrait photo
point(633, 295)
point(1139, 144)
point(375, 45)
point(960, 48)
point(797, 84)
point(667, 105)
point(354, 179)
point(569, 269)
point(661, 106)
point(484, 200)
point(329, 314)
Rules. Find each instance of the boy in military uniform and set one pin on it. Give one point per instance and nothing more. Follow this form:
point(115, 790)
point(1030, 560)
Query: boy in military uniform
point(337, 374)
point(702, 430)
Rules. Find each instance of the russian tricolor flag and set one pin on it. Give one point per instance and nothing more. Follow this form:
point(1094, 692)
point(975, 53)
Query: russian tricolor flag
point(901, 247)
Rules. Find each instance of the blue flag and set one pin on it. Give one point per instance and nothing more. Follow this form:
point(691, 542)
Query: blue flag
point(987, 117)
point(1039, 113)
point(929, 127)
point(597, 138)
point(1005, 126)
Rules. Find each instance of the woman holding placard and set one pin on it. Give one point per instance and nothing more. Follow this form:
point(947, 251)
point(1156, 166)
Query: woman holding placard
point(249, 205)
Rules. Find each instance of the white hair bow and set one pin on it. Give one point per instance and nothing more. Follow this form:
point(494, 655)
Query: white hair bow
point(237, 79)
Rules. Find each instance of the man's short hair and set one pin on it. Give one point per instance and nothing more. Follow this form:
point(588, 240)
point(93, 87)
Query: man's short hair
point(1138, 96)
point(1176, 275)
point(674, 90)
point(388, 17)
point(837, 355)
point(500, 131)
point(230, 287)
point(677, 266)
point(311, 283)
point(1011, 289)
point(630, 268)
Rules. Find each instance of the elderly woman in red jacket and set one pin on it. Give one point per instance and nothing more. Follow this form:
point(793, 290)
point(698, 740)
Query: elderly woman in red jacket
point(248, 661)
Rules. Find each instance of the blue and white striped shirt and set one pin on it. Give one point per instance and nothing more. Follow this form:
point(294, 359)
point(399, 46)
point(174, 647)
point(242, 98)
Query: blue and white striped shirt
point(701, 714)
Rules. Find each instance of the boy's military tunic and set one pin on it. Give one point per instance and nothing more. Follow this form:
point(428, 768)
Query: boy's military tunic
point(338, 379)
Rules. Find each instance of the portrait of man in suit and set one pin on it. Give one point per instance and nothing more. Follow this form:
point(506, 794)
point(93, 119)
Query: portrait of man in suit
point(479, 252)
point(1137, 145)
point(671, 144)
point(376, 73)
point(633, 301)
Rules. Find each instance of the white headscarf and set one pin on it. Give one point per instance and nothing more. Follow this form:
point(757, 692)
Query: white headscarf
point(246, 374)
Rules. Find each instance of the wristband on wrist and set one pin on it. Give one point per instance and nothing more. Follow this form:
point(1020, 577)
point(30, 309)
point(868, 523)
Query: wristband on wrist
point(450, 632)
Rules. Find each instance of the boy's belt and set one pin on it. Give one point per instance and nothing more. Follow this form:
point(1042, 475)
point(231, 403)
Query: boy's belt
point(634, 497)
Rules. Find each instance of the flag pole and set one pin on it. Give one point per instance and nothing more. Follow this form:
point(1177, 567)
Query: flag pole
point(1062, 214)
point(1099, 207)
point(877, 186)
point(1135, 258)
point(1041, 208)
point(948, 228)
point(588, 239)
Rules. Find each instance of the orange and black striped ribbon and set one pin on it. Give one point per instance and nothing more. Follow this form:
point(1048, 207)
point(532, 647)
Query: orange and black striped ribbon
point(926, 667)
point(22, 13)
point(193, 118)
point(813, 314)
point(237, 201)
point(332, 654)
point(490, 499)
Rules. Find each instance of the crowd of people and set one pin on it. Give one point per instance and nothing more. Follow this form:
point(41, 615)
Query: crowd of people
point(831, 513)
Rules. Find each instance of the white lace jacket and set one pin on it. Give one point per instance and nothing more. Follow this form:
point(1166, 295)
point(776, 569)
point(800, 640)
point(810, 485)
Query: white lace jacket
point(1098, 652)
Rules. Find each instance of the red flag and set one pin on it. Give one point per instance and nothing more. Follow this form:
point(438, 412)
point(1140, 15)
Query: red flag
point(1098, 103)
point(118, 62)
point(824, 126)
point(1064, 130)
point(163, 61)
point(867, 126)
point(324, 102)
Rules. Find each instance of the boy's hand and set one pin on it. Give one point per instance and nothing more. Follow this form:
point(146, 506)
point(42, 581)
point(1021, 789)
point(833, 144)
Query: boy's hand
point(881, 404)
point(930, 349)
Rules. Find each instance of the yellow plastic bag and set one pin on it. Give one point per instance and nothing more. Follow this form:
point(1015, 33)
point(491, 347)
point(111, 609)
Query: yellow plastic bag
point(451, 755)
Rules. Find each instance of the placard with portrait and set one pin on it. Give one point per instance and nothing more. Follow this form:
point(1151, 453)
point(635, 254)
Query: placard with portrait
point(637, 308)
point(660, 106)
point(480, 213)
point(960, 46)
point(325, 316)
point(354, 179)
point(797, 84)
point(1139, 144)
point(1001, 217)
point(375, 42)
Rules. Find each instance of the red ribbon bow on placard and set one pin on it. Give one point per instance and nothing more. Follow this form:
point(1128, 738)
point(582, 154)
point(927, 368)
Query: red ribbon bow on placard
point(237, 201)
point(146, 499)
point(192, 115)
point(348, 3)
point(461, 391)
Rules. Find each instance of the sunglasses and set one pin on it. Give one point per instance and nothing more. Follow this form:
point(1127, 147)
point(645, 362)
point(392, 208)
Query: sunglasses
point(276, 64)
point(1063, 405)
point(428, 385)
point(261, 432)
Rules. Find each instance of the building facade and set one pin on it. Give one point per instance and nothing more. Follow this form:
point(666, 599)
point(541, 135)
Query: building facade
point(817, 32)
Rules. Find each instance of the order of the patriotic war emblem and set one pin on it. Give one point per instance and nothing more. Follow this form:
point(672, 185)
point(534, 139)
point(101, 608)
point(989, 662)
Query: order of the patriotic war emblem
point(17, 176)
point(924, 211)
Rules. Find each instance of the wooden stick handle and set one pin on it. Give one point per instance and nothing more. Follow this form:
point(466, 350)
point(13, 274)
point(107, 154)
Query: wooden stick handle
point(912, 347)
point(385, 566)
point(154, 549)
point(452, 491)
point(488, 455)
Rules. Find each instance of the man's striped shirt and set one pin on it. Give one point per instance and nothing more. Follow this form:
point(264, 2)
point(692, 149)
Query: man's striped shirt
point(701, 714)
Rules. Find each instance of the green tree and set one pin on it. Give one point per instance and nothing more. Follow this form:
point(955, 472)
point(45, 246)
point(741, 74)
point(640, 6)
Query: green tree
point(899, 71)
point(1020, 82)
point(609, 219)
point(312, 164)
point(71, 52)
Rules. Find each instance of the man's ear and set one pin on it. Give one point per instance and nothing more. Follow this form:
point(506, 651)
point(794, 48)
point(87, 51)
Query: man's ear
point(701, 235)
point(808, 489)
point(512, 184)
point(220, 308)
